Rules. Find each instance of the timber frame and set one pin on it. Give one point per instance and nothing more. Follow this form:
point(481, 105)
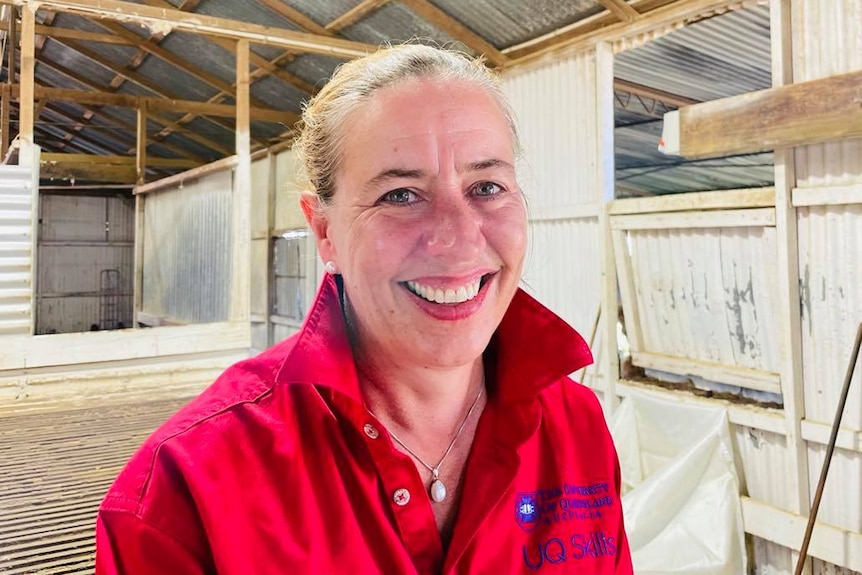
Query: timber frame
point(162, 138)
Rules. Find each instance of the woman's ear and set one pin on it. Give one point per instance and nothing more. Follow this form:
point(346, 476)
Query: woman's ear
point(318, 221)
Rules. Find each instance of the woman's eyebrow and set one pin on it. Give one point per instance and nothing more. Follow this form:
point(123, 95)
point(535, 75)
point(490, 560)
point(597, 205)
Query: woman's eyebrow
point(396, 173)
point(485, 164)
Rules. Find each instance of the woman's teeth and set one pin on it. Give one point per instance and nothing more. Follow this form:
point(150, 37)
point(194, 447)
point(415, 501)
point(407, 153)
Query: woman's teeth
point(437, 295)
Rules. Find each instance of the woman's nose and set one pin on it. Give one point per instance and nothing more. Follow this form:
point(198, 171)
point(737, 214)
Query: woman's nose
point(454, 227)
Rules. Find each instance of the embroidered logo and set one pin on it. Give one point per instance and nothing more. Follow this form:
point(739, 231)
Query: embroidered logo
point(527, 510)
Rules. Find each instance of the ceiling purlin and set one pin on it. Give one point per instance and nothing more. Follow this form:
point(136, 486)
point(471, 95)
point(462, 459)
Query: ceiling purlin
point(355, 14)
point(621, 9)
point(457, 30)
point(152, 116)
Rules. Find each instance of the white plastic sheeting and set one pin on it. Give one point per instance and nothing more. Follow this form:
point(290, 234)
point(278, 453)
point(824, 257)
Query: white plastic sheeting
point(680, 488)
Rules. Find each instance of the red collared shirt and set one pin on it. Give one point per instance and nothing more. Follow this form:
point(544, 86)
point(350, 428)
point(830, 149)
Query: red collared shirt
point(278, 468)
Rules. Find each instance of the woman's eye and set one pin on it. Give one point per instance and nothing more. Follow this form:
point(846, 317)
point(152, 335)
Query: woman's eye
point(399, 196)
point(487, 189)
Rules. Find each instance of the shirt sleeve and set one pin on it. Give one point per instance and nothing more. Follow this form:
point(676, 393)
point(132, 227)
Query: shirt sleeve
point(127, 545)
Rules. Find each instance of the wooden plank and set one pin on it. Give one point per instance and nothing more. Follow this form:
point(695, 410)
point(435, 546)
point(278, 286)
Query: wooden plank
point(792, 115)
point(19, 353)
point(722, 373)
point(817, 432)
point(178, 180)
point(141, 148)
point(73, 34)
point(832, 544)
point(27, 71)
point(628, 291)
point(621, 9)
point(757, 217)
point(568, 212)
point(11, 54)
point(241, 203)
point(701, 201)
point(828, 195)
point(162, 104)
point(96, 160)
point(89, 173)
point(609, 302)
point(455, 29)
point(174, 19)
point(355, 14)
point(6, 103)
point(752, 416)
point(296, 17)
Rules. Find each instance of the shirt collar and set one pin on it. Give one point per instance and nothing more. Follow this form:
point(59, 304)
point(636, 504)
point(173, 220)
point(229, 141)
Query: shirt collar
point(531, 349)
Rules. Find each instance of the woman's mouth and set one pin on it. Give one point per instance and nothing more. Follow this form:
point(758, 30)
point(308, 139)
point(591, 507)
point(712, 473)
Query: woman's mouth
point(451, 295)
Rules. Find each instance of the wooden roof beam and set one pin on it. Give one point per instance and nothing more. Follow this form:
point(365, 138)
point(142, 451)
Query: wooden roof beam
point(71, 33)
point(793, 115)
point(97, 160)
point(457, 30)
point(355, 14)
point(621, 9)
point(173, 19)
point(167, 105)
point(297, 17)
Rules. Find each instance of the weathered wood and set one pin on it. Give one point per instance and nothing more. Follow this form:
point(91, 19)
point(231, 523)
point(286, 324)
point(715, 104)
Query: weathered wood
point(202, 24)
point(782, 117)
point(227, 163)
point(621, 9)
point(90, 173)
point(27, 72)
point(720, 200)
point(141, 148)
point(11, 53)
point(828, 543)
point(355, 14)
point(296, 17)
point(72, 34)
point(713, 371)
point(628, 290)
point(828, 195)
point(99, 160)
point(5, 105)
point(128, 101)
point(241, 202)
point(757, 217)
point(457, 30)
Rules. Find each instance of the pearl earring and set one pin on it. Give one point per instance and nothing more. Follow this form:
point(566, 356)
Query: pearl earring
point(330, 267)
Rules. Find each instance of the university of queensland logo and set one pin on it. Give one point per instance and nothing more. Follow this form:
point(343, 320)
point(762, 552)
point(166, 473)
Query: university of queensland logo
point(527, 512)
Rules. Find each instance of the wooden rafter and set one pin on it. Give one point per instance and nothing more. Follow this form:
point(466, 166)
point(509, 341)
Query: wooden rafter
point(295, 16)
point(457, 30)
point(621, 9)
point(90, 112)
point(355, 14)
point(71, 33)
point(210, 25)
point(115, 160)
point(164, 104)
point(653, 94)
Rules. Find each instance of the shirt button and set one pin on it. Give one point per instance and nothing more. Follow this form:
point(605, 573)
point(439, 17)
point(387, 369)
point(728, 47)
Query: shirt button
point(401, 497)
point(371, 431)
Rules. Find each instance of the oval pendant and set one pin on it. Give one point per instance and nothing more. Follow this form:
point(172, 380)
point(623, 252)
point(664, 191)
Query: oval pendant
point(438, 491)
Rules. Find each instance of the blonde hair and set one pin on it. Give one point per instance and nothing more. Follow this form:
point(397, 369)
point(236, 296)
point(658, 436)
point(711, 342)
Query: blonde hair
point(320, 142)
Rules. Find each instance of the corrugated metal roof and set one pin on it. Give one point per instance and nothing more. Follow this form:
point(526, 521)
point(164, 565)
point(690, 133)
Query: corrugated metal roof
point(714, 58)
point(396, 23)
point(508, 22)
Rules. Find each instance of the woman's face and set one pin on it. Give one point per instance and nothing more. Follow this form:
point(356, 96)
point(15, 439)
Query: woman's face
point(428, 224)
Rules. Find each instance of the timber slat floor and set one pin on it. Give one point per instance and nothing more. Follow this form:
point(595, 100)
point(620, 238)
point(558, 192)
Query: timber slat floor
point(54, 470)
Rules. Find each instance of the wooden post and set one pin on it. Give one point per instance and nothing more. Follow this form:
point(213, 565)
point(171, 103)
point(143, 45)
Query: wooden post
point(11, 53)
point(787, 282)
point(605, 167)
point(241, 279)
point(28, 84)
point(141, 149)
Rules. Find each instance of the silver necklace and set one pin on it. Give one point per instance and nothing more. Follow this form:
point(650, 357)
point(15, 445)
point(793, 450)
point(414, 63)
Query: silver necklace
point(437, 490)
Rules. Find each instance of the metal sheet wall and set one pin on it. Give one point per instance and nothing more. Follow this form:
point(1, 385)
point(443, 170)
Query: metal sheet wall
point(827, 40)
point(555, 109)
point(187, 250)
point(706, 294)
point(79, 237)
point(16, 249)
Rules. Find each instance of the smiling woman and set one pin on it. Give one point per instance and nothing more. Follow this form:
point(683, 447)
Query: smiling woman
point(422, 420)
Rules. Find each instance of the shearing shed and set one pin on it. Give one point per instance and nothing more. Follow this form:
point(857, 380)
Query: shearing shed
point(693, 170)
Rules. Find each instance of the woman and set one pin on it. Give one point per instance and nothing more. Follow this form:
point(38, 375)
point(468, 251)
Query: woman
point(422, 421)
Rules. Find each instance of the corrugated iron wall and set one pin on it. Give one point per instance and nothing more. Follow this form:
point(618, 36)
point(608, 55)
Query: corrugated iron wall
point(556, 108)
point(187, 251)
point(80, 237)
point(827, 40)
point(16, 249)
